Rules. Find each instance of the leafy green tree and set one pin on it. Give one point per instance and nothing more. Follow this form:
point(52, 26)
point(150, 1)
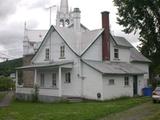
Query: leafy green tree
point(8, 67)
point(6, 83)
point(142, 16)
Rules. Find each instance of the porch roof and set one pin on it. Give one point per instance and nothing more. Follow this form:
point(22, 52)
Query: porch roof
point(45, 65)
point(114, 67)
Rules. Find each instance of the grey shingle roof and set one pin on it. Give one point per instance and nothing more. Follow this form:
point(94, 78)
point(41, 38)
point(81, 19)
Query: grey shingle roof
point(46, 65)
point(71, 37)
point(114, 67)
point(121, 41)
point(136, 56)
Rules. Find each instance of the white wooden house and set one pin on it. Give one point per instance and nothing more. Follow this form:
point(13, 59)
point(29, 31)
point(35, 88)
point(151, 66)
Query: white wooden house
point(73, 61)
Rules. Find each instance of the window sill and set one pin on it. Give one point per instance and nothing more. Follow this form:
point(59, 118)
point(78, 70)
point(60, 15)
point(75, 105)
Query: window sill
point(67, 83)
point(46, 59)
point(54, 88)
point(126, 86)
point(62, 58)
point(116, 59)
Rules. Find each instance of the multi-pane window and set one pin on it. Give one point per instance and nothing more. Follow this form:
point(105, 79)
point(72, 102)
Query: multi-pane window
point(111, 82)
point(68, 77)
point(54, 80)
point(126, 81)
point(62, 51)
point(42, 79)
point(116, 53)
point(47, 54)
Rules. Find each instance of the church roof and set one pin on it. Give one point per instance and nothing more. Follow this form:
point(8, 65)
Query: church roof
point(35, 35)
point(114, 67)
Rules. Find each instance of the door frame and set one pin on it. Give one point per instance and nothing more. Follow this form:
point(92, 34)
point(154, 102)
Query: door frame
point(135, 85)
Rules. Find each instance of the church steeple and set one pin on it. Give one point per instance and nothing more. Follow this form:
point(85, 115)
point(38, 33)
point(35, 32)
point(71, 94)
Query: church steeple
point(64, 6)
point(63, 15)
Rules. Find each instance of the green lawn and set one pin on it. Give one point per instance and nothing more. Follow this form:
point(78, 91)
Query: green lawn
point(67, 111)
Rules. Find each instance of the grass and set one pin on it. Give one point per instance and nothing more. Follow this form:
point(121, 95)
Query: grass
point(89, 110)
point(2, 94)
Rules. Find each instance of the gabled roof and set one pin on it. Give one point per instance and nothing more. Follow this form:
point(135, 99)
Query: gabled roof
point(71, 37)
point(87, 38)
point(114, 67)
point(136, 56)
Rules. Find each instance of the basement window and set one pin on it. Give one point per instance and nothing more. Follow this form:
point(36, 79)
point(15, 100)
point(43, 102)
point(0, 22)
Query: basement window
point(116, 53)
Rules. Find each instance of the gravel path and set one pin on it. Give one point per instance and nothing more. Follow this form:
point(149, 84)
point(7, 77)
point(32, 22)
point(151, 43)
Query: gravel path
point(137, 113)
point(7, 99)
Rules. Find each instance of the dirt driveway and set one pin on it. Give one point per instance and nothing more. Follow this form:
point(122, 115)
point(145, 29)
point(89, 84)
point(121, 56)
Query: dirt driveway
point(7, 99)
point(141, 112)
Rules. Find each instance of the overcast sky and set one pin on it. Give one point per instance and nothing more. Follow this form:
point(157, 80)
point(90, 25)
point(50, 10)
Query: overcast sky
point(14, 13)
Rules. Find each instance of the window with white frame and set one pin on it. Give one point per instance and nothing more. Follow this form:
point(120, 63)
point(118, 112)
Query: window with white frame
point(42, 79)
point(68, 77)
point(111, 82)
point(62, 51)
point(126, 80)
point(116, 53)
point(54, 80)
point(47, 54)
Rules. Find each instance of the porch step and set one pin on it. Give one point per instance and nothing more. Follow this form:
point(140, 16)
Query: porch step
point(74, 99)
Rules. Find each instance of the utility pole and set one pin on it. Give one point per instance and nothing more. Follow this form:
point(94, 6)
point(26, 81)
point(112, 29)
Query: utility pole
point(50, 16)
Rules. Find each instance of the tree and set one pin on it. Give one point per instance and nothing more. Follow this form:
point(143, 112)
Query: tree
point(8, 67)
point(142, 16)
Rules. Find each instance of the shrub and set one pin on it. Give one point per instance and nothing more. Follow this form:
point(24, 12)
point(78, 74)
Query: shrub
point(6, 83)
point(35, 93)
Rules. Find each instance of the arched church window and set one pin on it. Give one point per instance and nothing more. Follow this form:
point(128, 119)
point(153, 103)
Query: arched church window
point(67, 22)
point(61, 23)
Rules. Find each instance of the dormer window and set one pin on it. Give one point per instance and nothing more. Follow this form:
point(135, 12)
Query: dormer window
point(62, 51)
point(47, 54)
point(116, 53)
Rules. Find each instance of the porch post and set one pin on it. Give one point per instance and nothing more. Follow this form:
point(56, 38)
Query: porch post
point(35, 76)
point(16, 78)
point(60, 82)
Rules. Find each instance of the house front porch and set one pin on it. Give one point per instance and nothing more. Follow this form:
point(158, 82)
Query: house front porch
point(52, 81)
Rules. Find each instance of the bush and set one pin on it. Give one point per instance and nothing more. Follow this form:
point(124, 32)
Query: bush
point(6, 83)
point(35, 93)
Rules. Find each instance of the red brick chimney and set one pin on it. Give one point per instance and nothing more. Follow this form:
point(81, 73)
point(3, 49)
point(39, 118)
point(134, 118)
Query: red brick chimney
point(105, 37)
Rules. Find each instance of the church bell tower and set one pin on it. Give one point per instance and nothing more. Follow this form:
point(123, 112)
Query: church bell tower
point(64, 18)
